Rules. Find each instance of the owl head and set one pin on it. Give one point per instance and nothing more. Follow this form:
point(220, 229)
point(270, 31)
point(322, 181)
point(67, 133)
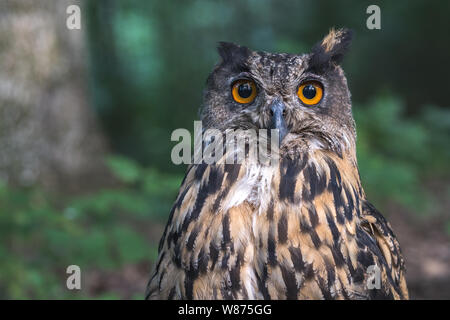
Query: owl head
point(304, 96)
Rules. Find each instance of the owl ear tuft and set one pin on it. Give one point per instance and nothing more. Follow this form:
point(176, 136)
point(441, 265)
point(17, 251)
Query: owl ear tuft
point(233, 54)
point(331, 50)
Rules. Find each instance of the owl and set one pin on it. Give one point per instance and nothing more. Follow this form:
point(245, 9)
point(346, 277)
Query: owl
point(301, 228)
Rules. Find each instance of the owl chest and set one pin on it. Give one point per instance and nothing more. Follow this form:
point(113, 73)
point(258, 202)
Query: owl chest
point(292, 243)
point(288, 232)
point(256, 256)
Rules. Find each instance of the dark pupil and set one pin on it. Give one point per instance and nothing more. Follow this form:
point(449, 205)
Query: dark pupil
point(245, 90)
point(309, 91)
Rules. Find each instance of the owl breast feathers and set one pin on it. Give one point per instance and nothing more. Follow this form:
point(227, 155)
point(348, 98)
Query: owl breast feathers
point(299, 229)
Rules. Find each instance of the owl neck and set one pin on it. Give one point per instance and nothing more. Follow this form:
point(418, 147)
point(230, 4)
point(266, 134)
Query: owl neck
point(296, 178)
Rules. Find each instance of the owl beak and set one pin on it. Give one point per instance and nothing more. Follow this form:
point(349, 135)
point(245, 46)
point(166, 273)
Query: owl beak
point(277, 111)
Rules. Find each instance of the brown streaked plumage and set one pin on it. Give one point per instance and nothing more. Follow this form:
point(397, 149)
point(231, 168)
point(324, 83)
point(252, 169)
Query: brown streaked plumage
point(300, 229)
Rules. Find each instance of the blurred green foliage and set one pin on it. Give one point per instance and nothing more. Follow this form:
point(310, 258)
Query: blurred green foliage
point(396, 155)
point(40, 235)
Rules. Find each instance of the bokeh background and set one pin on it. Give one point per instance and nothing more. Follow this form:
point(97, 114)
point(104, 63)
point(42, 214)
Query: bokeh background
point(86, 117)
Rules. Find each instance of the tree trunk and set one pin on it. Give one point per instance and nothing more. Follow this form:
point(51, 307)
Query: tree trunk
point(48, 132)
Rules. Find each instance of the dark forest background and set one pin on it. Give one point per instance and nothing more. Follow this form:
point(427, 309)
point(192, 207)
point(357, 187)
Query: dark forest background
point(86, 117)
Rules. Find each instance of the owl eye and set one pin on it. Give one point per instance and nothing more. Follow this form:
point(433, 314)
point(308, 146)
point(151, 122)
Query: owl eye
point(244, 91)
point(310, 92)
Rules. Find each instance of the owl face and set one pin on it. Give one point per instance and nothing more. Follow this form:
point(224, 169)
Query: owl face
point(304, 96)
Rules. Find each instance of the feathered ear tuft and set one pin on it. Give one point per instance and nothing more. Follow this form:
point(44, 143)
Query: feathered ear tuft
point(331, 50)
point(233, 54)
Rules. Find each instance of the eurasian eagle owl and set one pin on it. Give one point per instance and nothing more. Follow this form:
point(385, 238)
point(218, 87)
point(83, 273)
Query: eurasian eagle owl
point(302, 229)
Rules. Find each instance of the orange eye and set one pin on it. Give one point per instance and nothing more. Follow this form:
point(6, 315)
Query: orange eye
point(310, 92)
point(244, 91)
